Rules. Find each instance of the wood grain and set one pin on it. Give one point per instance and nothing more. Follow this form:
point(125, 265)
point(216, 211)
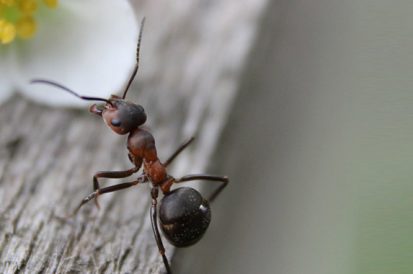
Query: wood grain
point(193, 54)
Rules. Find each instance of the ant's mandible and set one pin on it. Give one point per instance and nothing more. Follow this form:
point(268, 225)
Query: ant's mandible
point(183, 213)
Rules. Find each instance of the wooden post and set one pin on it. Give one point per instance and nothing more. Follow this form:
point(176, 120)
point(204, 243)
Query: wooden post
point(193, 54)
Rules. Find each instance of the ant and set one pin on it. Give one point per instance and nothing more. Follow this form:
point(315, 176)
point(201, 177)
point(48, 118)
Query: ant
point(183, 213)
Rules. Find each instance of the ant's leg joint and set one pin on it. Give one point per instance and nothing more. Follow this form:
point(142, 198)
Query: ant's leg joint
point(166, 186)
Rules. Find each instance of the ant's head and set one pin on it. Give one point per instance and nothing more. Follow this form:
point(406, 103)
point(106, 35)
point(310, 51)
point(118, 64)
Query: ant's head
point(120, 115)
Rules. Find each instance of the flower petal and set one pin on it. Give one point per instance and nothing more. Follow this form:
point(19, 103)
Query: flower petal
point(6, 73)
point(88, 46)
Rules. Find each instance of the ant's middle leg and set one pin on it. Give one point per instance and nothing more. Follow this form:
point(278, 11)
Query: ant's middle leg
point(178, 151)
point(111, 175)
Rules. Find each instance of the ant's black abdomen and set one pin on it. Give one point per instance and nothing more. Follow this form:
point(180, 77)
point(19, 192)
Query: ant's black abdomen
point(184, 216)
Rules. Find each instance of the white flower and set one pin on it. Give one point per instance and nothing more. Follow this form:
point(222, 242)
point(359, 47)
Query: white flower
point(86, 45)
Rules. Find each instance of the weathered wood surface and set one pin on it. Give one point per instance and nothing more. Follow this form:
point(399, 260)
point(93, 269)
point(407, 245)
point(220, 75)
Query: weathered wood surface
point(192, 57)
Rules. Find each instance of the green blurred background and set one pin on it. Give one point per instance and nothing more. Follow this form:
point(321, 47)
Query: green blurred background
point(319, 147)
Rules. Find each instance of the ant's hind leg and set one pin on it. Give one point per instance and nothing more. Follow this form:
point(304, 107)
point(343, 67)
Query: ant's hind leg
point(223, 179)
point(111, 175)
point(154, 221)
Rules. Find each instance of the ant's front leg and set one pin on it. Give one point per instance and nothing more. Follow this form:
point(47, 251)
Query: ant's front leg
point(111, 175)
point(141, 179)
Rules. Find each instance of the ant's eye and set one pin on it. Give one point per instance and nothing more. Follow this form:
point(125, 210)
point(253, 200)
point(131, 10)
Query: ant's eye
point(115, 122)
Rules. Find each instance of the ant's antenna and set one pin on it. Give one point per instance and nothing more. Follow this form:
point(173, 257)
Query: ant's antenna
point(135, 71)
point(41, 81)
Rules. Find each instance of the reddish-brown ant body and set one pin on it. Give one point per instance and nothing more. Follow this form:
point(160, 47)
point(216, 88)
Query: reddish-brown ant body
point(184, 214)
